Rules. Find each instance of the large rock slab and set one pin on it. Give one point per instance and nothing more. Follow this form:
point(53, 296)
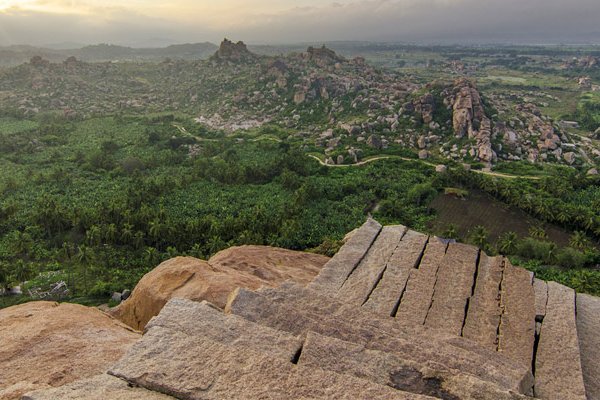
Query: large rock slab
point(588, 329)
point(387, 368)
point(558, 373)
point(483, 317)
point(338, 269)
point(46, 344)
point(420, 348)
point(386, 296)
point(203, 319)
point(359, 285)
point(418, 294)
point(190, 278)
point(193, 367)
point(101, 387)
point(453, 288)
point(516, 333)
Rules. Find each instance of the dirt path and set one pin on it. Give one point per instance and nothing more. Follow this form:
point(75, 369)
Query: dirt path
point(377, 158)
point(373, 159)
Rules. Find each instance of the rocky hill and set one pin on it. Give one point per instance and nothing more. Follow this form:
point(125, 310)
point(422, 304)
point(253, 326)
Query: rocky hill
point(395, 314)
point(340, 107)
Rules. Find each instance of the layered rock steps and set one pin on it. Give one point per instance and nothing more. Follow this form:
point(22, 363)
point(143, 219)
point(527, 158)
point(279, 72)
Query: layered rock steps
point(395, 314)
point(182, 355)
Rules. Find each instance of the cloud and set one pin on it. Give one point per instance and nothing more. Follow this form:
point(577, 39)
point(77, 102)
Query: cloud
point(278, 21)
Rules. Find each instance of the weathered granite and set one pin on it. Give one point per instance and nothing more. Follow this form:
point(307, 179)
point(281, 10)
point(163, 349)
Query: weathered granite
point(386, 368)
point(588, 329)
point(386, 296)
point(193, 367)
point(453, 288)
point(336, 271)
point(483, 317)
point(453, 356)
point(203, 319)
point(359, 285)
point(558, 373)
point(101, 387)
point(416, 300)
point(516, 333)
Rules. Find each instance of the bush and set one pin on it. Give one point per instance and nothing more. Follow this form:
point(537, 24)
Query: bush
point(571, 258)
point(421, 194)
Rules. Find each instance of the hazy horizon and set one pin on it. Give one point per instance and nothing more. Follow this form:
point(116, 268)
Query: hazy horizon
point(148, 23)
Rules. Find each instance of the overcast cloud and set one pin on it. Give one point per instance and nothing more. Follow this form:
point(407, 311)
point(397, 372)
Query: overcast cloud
point(146, 22)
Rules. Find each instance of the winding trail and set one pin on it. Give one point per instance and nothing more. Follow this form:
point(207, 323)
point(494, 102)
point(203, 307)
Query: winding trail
point(377, 158)
point(373, 159)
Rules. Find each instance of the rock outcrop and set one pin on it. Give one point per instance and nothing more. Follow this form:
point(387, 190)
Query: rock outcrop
point(395, 314)
point(469, 119)
point(323, 56)
point(190, 278)
point(234, 52)
point(46, 344)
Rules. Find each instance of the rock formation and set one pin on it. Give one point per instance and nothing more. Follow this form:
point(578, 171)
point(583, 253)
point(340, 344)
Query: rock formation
point(469, 119)
point(425, 106)
point(395, 314)
point(323, 56)
point(186, 277)
point(44, 344)
point(234, 52)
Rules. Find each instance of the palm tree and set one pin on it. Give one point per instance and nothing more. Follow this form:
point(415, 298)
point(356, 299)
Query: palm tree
point(579, 241)
point(156, 230)
point(152, 255)
point(93, 235)
point(537, 232)
point(22, 243)
point(139, 240)
point(85, 256)
point(451, 231)
point(127, 233)
point(479, 236)
point(507, 243)
point(110, 233)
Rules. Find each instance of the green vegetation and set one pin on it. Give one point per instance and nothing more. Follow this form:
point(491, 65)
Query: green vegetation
point(111, 198)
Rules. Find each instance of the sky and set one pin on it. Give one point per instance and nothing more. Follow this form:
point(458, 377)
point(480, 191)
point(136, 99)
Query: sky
point(153, 22)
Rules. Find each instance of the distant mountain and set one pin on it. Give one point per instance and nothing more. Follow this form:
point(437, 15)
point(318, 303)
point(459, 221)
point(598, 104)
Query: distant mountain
point(15, 55)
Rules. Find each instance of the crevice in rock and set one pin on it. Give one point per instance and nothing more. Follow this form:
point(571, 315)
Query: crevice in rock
point(296, 358)
point(437, 271)
point(416, 266)
point(468, 303)
point(382, 273)
point(360, 260)
point(500, 304)
point(539, 319)
point(377, 281)
point(420, 259)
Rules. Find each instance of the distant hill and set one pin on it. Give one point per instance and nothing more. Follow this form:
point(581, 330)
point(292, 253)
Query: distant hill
point(15, 55)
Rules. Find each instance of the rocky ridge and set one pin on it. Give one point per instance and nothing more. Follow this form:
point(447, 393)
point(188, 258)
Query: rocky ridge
point(395, 314)
point(213, 280)
point(315, 93)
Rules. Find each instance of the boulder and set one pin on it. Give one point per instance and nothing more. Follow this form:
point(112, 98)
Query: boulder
point(46, 344)
point(185, 277)
point(569, 157)
point(374, 141)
